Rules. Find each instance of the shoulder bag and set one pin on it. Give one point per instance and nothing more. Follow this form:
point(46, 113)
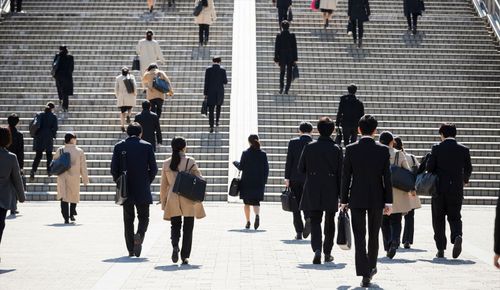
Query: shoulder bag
point(198, 8)
point(204, 108)
point(129, 85)
point(426, 184)
point(121, 194)
point(234, 188)
point(160, 84)
point(402, 178)
point(288, 201)
point(34, 125)
point(61, 164)
point(189, 185)
point(136, 63)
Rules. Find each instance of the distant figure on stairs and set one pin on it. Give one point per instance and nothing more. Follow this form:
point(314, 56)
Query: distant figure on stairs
point(149, 52)
point(285, 55)
point(327, 7)
point(44, 138)
point(358, 12)
point(62, 70)
point(283, 7)
point(413, 9)
point(350, 110)
point(151, 4)
point(215, 79)
point(153, 95)
point(150, 124)
point(125, 92)
point(16, 6)
point(204, 20)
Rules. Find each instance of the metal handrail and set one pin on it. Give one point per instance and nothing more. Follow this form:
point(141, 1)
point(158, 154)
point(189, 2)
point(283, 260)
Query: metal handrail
point(490, 10)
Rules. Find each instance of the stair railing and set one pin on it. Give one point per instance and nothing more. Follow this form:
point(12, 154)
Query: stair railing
point(490, 10)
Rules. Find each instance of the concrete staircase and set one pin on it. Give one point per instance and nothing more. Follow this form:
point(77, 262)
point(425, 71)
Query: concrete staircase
point(450, 71)
point(102, 35)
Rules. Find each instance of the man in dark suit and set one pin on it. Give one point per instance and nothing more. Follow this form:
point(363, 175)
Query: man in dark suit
point(283, 8)
point(150, 125)
point(295, 179)
point(366, 190)
point(16, 147)
point(63, 67)
point(496, 258)
point(358, 12)
point(140, 164)
point(215, 79)
point(350, 110)
point(321, 162)
point(451, 162)
point(285, 55)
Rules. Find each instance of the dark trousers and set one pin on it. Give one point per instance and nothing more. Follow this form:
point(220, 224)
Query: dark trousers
point(440, 210)
point(366, 261)
point(296, 188)
point(409, 227)
point(128, 221)
point(391, 230)
point(282, 15)
point(211, 115)
point(3, 214)
point(156, 106)
point(412, 19)
point(68, 209)
point(329, 230)
point(288, 69)
point(350, 135)
point(357, 33)
point(18, 4)
point(38, 158)
point(64, 98)
point(203, 32)
point(187, 234)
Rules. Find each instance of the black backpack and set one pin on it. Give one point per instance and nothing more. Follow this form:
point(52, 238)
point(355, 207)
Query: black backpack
point(34, 125)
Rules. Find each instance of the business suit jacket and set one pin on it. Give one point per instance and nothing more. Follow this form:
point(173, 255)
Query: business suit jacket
point(44, 138)
point(351, 109)
point(11, 185)
point(295, 147)
point(140, 165)
point(17, 146)
point(283, 3)
point(366, 175)
point(254, 172)
point(358, 10)
point(451, 162)
point(64, 72)
point(150, 127)
point(215, 79)
point(413, 7)
point(285, 48)
point(497, 228)
point(321, 162)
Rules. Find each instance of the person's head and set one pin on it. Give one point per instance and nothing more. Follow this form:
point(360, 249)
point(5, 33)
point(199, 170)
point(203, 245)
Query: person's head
point(152, 66)
point(63, 49)
point(386, 138)
point(70, 138)
point(134, 129)
point(352, 89)
point(5, 137)
point(367, 125)
point(254, 141)
point(325, 126)
point(13, 120)
point(448, 130)
point(125, 71)
point(398, 144)
point(285, 25)
point(146, 105)
point(49, 107)
point(217, 59)
point(178, 145)
point(305, 128)
point(149, 35)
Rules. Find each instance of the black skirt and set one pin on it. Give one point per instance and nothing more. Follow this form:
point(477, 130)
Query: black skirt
point(251, 202)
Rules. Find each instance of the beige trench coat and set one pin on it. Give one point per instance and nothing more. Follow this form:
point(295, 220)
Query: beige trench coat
point(68, 183)
point(414, 199)
point(207, 15)
point(328, 4)
point(123, 97)
point(147, 81)
point(149, 52)
point(173, 204)
point(400, 199)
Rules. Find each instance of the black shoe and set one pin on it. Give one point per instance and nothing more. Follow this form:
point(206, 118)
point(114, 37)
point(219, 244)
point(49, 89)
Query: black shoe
point(32, 176)
point(123, 129)
point(247, 226)
point(13, 212)
point(328, 258)
point(130, 254)
point(407, 246)
point(175, 254)
point(355, 41)
point(72, 218)
point(298, 236)
point(360, 43)
point(66, 221)
point(366, 282)
point(373, 273)
point(185, 261)
point(217, 124)
point(307, 228)
point(409, 28)
point(169, 4)
point(137, 245)
point(326, 24)
point(200, 44)
point(317, 257)
point(457, 247)
point(392, 252)
point(414, 31)
point(205, 43)
point(281, 91)
point(286, 92)
point(256, 223)
point(211, 130)
point(440, 254)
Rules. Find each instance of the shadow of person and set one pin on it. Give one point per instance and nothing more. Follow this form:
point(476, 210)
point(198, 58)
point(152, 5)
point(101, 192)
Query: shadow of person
point(62, 225)
point(412, 250)
point(444, 261)
point(322, 267)
point(324, 34)
point(411, 40)
point(13, 216)
point(5, 271)
point(173, 268)
point(249, 231)
point(295, 242)
point(372, 286)
point(386, 260)
point(126, 259)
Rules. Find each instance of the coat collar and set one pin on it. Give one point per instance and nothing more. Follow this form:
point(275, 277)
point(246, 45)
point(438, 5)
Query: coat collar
point(366, 139)
point(327, 139)
point(132, 139)
point(305, 137)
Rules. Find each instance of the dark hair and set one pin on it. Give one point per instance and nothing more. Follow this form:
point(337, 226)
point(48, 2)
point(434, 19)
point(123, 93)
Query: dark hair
point(367, 124)
point(398, 143)
point(47, 109)
point(125, 71)
point(63, 49)
point(149, 31)
point(5, 137)
point(146, 105)
point(253, 139)
point(325, 126)
point(216, 59)
point(13, 120)
point(386, 138)
point(352, 89)
point(305, 127)
point(285, 25)
point(152, 66)
point(51, 105)
point(68, 137)
point(448, 130)
point(134, 129)
point(178, 144)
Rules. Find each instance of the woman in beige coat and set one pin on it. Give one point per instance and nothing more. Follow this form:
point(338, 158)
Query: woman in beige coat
point(125, 100)
point(205, 19)
point(154, 96)
point(178, 209)
point(327, 7)
point(68, 182)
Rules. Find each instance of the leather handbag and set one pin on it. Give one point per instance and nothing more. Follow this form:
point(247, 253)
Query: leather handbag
point(129, 85)
point(402, 178)
point(121, 193)
point(160, 84)
point(289, 201)
point(426, 184)
point(198, 8)
point(234, 188)
point(61, 164)
point(344, 239)
point(136, 63)
point(34, 125)
point(190, 186)
point(204, 108)
point(295, 72)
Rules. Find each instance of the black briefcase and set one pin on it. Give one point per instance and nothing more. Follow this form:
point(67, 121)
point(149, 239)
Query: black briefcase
point(121, 193)
point(295, 72)
point(190, 186)
point(234, 188)
point(204, 108)
point(290, 15)
point(344, 239)
point(288, 201)
point(136, 64)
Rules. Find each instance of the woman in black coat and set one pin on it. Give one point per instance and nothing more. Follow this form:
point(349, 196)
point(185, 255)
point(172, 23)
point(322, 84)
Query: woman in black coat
point(44, 138)
point(413, 9)
point(358, 12)
point(62, 71)
point(255, 170)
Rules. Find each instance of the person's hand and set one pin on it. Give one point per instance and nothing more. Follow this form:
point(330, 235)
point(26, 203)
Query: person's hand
point(344, 206)
point(413, 193)
point(496, 261)
point(387, 210)
point(170, 93)
point(287, 183)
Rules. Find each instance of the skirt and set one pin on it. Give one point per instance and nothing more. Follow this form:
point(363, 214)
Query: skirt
point(251, 202)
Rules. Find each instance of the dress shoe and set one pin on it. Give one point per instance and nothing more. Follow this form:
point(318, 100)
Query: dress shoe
point(307, 228)
point(137, 245)
point(440, 254)
point(407, 246)
point(66, 221)
point(211, 130)
point(130, 254)
point(366, 282)
point(286, 92)
point(281, 91)
point(175, 254)
point(256, 223)
point(247, 226)
point(360, 43)
point(409, 28)
point(72, 218)
point(298, 236)
point(185, 261)
point(392, 252)
point(457, 247)
point(414, 30)
point(328, 258)
point(355, 41)
point(205, 43)
point(373, 273)
point(317, 257)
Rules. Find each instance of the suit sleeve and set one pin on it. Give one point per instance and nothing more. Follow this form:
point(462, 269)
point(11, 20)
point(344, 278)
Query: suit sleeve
point(83, 169)
point(153, 167)
point(302, 167)
point(339, 175)
point(362, 109)
point(164, 185)
point(497, 228)
point(289, 161)
point(339, 113)
point(367, 4)
point(349, 4)
point(277, 49)
point(225, 77)
point(54, 127)
point(266, 168)
point(467, 167)
point(241, 164)
point(21, 151)
point(346, 177)
point(294, 48)
point(387, 179)
point(115, 164)
point(431, 161)
point(159, 139)
point(205, 87)
point(17, 180)
point(71, 64)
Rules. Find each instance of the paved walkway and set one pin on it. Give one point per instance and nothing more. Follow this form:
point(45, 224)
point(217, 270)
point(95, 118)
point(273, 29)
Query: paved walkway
point(38, 252)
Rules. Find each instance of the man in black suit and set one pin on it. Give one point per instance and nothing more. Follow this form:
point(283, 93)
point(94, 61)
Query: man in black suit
point(351, 109)
point(16, 147)
point(321, 162)
point(285, 55)
point(150, 125)
point(63, 67)
point(215, 79)
point(496, 258)
point(366, 190)
point(140, 164)
point(283, 7)
point(358, 12)
point(451, 162)
point(295, 179)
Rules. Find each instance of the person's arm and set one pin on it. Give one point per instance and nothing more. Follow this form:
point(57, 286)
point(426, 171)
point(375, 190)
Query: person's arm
point(165, 77)
point(83, 169)
point(302, 167)
point(346, 178)
point(431, 162)
point(349, 4)
point(55, 127)
point(339, 113)
point(404, 162)
point(159, 54)
point(277, 44)
point(289, 162)
point(497, 230)
point(138, 48)
point(115, 164)
point(16, 180)
point(266, 168)
point(159, 139)
point(241, 164)
point(135, 84)
point(21, 151)
point(214, 14)
point(294, 48)
point(362, 110)
point(340, 160)
point(71, 64)
point(153, 167)
point(205, 85)
point(386, 177)
point(468, 167)
point(164, 186)
point(367, 5)
point(145, 80)
point(117, 87)
point(195, 170)
point(225, 77)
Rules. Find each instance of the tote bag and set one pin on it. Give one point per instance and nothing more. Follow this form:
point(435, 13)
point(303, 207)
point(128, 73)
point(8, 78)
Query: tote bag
point(190, 186)
point(61, 164)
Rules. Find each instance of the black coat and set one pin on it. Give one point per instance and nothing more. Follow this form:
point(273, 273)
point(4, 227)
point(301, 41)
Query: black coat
point(150, 127)
point(283, 3)
point(254, 172)
point(350, 111)
point(17, 146)
point(413, 7)
point(64, 73)
point(215, 79)
point(358, 10)
point(451, 162)
point(321, 162)
point(141, 168)
point(295, 147)
point(497, 228)
point(44, 138)
point(366, 176)
point(285, 48)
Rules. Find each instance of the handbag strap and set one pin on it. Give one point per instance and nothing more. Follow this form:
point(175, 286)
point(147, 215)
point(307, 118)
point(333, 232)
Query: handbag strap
point(190, 168)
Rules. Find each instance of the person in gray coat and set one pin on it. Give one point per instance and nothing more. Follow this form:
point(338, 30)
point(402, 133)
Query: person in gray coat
point(11, 185)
